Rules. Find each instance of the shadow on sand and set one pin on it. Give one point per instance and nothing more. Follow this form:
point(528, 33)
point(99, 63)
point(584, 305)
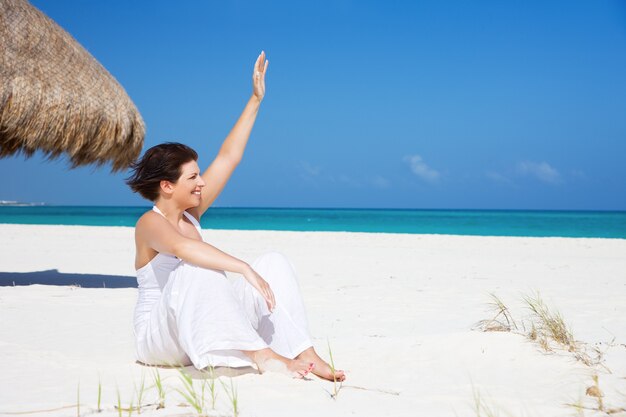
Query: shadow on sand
point(204, 373)
point(54, 277)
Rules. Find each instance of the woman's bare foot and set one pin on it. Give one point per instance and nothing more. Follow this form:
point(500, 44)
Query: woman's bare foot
point(301, 368)
point(268, 360)
point(322, 369)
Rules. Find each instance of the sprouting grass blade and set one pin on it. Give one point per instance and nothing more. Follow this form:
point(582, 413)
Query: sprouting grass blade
point(333, 370)
point(189, 392)
point(160, 390)
point(99, 394)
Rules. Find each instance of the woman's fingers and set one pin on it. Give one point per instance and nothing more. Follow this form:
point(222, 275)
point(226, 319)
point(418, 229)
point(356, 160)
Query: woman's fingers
point(272, 298)
point(261, 63)
point(258, 75)
point(264, 290)
point(268, 294)
point(258, 65)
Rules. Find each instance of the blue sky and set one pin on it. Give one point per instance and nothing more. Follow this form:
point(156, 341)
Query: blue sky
point(456, 104)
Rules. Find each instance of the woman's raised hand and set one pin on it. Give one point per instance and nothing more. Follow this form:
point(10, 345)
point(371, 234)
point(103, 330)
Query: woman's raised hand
point(258, 76)
point(261, 286)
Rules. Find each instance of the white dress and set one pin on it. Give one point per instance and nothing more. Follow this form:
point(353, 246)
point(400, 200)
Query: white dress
point(186, 314)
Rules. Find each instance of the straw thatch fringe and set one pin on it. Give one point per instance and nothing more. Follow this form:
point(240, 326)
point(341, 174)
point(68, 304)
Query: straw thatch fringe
point(56, 98)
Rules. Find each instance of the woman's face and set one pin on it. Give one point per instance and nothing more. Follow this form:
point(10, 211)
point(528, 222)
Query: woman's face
point(188, 189)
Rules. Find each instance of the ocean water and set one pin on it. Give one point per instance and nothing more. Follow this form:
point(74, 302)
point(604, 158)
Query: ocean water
point(604, 224)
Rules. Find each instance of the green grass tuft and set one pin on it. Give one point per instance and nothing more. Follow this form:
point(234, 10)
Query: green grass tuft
point(336, 387)
point(160, 390)
point(231, 392)
point(550, 323)
point(189, 391)
point(99, 409)
point(502, 321)
point(119, 403)
point(78, 400)
point(210, 382)
point(139, 392)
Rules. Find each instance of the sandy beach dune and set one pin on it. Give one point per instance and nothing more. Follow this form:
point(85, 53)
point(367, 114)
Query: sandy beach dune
point(398, 310)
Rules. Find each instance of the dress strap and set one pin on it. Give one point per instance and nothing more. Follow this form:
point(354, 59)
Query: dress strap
point(192, 219)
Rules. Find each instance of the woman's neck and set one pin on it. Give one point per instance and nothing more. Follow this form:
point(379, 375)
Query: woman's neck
point(170, 210)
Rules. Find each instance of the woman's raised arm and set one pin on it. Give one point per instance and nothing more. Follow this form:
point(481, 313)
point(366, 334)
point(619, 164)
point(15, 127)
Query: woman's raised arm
point(217, 174)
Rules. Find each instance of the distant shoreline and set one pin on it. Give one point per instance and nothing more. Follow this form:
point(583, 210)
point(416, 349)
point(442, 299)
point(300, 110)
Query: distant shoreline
point(9, 203)
point(521, 223)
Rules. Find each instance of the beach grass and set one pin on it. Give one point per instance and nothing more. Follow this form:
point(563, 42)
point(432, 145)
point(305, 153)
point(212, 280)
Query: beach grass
point(481, 407)
point(336, 387)
point(211, 385)
point(595, 391)
point(502, 320)
point(332, 369)
point(140, 392)
point(550, 323)
point(546, 327)
point(231, 392)
point(579, 407)
point(99, 408)
point(119, 403)
point(189, 392)
point(158, 383)
point(78, 400)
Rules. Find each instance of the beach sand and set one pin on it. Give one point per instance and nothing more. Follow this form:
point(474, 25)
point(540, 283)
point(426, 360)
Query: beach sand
point(398, 310)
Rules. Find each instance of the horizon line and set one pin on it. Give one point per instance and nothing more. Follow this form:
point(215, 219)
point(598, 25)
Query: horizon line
point(21, 204)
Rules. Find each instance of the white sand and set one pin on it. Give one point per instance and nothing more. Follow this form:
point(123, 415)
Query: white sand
point(397, 309)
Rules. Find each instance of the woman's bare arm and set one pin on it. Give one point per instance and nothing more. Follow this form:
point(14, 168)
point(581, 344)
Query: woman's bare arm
point(218, 173)
point(160, 235)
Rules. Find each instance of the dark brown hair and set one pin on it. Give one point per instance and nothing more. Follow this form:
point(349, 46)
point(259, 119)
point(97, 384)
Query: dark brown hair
point(160, 163)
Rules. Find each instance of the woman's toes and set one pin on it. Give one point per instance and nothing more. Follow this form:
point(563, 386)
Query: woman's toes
point(302, 368)
point(339, 376)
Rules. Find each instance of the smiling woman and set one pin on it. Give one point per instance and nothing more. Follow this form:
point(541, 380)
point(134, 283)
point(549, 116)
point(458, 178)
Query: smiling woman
point(160, 163)
point(187, 310)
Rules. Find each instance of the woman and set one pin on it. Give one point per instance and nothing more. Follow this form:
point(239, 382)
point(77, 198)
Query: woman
point(187, 311)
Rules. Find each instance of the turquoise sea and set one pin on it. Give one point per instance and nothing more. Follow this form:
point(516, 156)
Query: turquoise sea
point(605, 224)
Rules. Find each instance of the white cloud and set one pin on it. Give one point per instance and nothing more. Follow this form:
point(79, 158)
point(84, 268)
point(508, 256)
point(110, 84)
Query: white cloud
point(380, 182)
point(318, 176)
point(421, 169)
point(497, 177)
point(541, 171)
point(343, 178)
point(578, 174)
point(310, 169)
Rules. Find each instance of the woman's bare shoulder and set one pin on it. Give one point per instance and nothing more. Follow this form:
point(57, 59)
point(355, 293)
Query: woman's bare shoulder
point(147, 220)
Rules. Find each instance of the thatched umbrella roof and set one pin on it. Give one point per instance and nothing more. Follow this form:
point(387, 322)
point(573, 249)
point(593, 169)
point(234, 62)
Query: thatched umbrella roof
point(56, 98)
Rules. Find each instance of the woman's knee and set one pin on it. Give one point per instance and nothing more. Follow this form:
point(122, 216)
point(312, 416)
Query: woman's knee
point(275, 268)
point(273, 258)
